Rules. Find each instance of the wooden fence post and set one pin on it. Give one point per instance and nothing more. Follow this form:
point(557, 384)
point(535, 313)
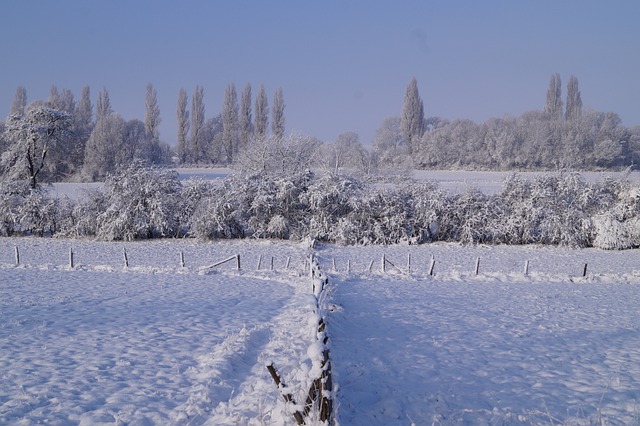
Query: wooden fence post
point(526, 268)
point(259, 262)
point(584, 272)
point(431, 265)
point(409, 263)
point(286, 396)
point(384, 264)
point(477, 268)
point(182, 259)
point(238, 261)
point(126, 259)
point(17, 251)
point(71, 258)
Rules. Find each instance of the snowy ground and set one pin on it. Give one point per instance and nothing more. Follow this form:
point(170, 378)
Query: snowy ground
point(156, 343)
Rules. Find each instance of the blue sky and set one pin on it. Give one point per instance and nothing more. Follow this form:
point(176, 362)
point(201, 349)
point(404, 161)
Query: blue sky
point(343, 65)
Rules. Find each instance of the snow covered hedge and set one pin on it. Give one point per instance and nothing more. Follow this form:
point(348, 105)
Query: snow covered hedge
point(140, 203)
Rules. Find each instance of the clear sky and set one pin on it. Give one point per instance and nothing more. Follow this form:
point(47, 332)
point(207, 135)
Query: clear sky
point(343, 65)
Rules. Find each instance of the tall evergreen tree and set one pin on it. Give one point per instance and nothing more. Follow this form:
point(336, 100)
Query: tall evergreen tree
point(262, 114)
point(230, 135)
point(553, 106)
point(277, 114)
point(183, 127)
point(245, 116)
point(197, 124)
point(19, 101)
point(574, 100)
point(412, 123)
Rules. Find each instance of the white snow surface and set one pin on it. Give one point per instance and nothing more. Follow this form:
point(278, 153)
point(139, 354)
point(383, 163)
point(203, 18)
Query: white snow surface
point(156, 343)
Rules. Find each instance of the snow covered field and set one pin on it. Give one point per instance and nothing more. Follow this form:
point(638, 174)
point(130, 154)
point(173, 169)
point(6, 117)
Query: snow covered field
point(156, 343)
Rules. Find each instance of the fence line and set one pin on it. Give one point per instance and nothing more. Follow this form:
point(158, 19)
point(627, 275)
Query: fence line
point(320, 394)
point(389, 266)
point(20, 259)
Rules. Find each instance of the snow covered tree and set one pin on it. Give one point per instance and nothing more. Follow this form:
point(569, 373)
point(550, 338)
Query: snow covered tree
point(19, 101)
point(137, 145)
point(342, 152)
point(553, 106)
point(104, 147)
point(246, 125)
point(281, 157)
point(152, 123)
point(33, 136)
point(262, 114)
point(387, 143)
point(574, 100)
point(83, 115)
point(277, 114)
point(412, 119)
point(197, 124)
point(61, 101)
point(182, 150)
point(82, 127)
point(230, 125)
point(103, 104)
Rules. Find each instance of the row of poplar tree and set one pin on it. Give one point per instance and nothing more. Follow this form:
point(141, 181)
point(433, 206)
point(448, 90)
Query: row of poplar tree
point(61, 139)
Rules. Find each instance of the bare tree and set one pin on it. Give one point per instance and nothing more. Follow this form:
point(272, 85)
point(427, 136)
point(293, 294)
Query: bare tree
point(246, 127)
point(19, 101)
point(277, 114)
point(262, 114)
point(152, 123)
point(197, 124)
point(553, 107)
point(574, 100)
point(103, 105)
point(183, 127)
point(230, 127)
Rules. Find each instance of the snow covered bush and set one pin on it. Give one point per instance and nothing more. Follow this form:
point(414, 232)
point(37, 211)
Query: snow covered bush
point(216, 216)
point(193, 191)
point(329, 198)
point(379, 216)
point(610, 233)
point(26, 211)
point(550, 209)
point(83, 219)
point(618, 227)
point(12, 196)
point(141, 203)
point(471, 212)
point(430, 206)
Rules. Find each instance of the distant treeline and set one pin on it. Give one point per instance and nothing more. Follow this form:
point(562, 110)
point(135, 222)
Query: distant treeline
point(61, 139)
point(559, 137)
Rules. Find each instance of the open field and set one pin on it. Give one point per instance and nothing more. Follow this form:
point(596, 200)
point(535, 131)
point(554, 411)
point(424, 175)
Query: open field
point(158, 343)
